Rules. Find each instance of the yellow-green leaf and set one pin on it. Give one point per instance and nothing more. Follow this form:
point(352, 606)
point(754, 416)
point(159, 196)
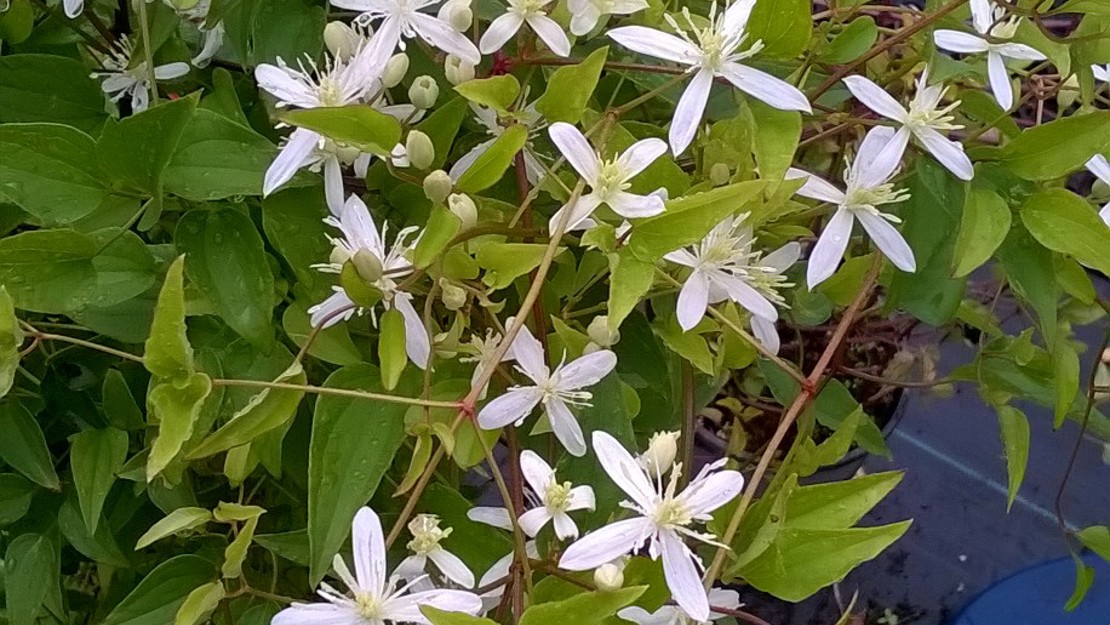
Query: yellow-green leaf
point(175, 404)
point(199, 604)
point(569, 89)
point(11, 338)
point(168, 353)
point(496, 92)
point(391, 347)
point(180, 520)
point(236, 552)
point(983, 226)
point(1015, 441)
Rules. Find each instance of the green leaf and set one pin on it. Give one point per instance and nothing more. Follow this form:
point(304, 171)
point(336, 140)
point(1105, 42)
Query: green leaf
point(443, 617)
point(505, 262)
point(442, 126)
point(50, 88)
point(135, 151)
point(332, 344)
point(391, 347)
point(119, 404)
point(236, 551)
point(226, 259)
point(358, 125)
point(442, 227)
point(1084, 577)
point(99, 546)
point(23, 446)
point(199, 604)
point(983, 227)
point(156, 599)
point(496, 92)
point(1058, 148)
point(292, 546)
point(569, 88)
point(852, 42)
point(48, 271)
point(15, 497)
point(1097, 539)
point(1015, 442)
point(346, 459)
point(11, 339)
point(168, 353)
point(28, 563)
point(94, 457)
point(631, 279)
point(587, 608)
point(124, 265)
point(294, 224)
point(492, 164)
point(180, 520)
point(176, 404)
point(269, 409)
point(775, 138)
point(50, 171)
point(1029, 269)
point(784, 27)
point(289, 29)
point(217, 158)
point(811, 456)
point(17, 22)
point(1065, 373)
point(1064, 222)
point(688, 219)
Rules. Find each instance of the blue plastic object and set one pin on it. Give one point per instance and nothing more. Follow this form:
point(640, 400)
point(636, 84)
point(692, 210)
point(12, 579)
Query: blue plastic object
point(1036, 596)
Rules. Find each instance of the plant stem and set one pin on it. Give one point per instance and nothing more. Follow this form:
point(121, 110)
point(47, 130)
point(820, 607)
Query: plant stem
point(148, 53)
point(46, 336)
point(338, 392)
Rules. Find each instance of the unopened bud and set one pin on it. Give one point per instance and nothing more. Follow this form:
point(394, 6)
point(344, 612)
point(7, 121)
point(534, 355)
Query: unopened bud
point(369, 267)
point(420, 150)
point(339, 255)
point(454, 297)
point(719, 174)
point(437, 186)
point(457, 13)
point(608, 577)
point(463, 207)
point(341, 40)
point(661, 452)
point(424, 92)
point(457, 70)
point(600, 333)
point(1069, 92)
point(395, 69)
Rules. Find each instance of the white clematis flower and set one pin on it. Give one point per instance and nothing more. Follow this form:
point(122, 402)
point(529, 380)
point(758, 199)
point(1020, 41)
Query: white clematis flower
point(361, 243)
point(663, 519)
point(867, 187)
point(585, 14)
point(715, 53)
point(555, 390)
point(925, 121)
point(674, 615)
point(488, 119)
point(121, 79)
point(1101, 72)
point(1100, 167)
point(556, 499)
point(994, 32)
point(725, 267)
point(516, 15)
point(425, 546)
point(73, 7)
point(500, 570)
point(608, 179)
point(373, 598)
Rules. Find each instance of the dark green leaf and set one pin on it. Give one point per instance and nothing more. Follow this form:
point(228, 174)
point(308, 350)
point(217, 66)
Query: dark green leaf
point(48, 270)
point(1058, 148)
point(217, 158)
point(28, 563)
point(852, 42)
point(688, 219)
point(94, 457)
point(1064, 222)
point(156, 599)
point(11, 340)
point(488, 168)
point(135, 151)
point(984, 225)
point(23, 446)
point(15, 497)
point(50, 88)
point(50, 171)
point(784, 27)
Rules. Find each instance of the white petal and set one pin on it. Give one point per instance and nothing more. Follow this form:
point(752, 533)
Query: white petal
point(1101, 72)
point(528, 353)
point(333, 184)
point(491, 515)
point(417, 343)
point(452, 567)
point(73, 7)
point(693, 300)
point(536, 471)
point(406, 608)
point(282, 85)
point(737, 14)
point(981, 15)
point(876, 98)
point(687, 115)
point(605, 544)
point(369, 63)
point(551, 34)
point(1000, 80)
point(632, 206)
point(585, 371)
point(514, 405)
point(705, 495)
point(499, 32)
point(532, 521)
point(888, 240)
point(879, 155)
point(581, 498)
point(639, 155)
point(565, 528)
point(565, 426)
point(1100, 166)
point(213, 41)
point(947, 152)
point(960, 42)
point(665, 615)
point(358, 227)
point(829, 249)
point(623, 469)
point(783, 258)
point(744, 294)
point(682, 577)
point(682, 257)
point(579, 213)
point(584, 20)
point(656, 43)
point(368, 545)
point(315, 614)
point(170, 71)
point(769, 89)
point(466, 160)
point(1019, 51)
point(815, 188)
point(577, 150)
point(766, 333)
point(1105, 214)
point(411, 568)
point(291, 158)
point(337, 307)
point(440, 35)
point(724, 598)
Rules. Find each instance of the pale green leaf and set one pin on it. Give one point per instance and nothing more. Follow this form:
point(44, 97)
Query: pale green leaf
point(984, 225)
point(180, 520)
point(1015, 442)
point(569, 88)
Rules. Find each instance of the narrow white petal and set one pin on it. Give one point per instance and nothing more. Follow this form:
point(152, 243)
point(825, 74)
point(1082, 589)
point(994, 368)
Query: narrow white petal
point(623, 469)
point(452, 567)
point(737, 14)
point(406, 608)
point(605, 544)
point(440, 35)
point(369, 63)
point(580, 213)
point(888, 240)
point(280, 84)
point(766, 333)
point(1105, 214)
point(585, 371)
point(337, 307)
point(693, 300)
point(1101, 72)
point(1019, 51)
point(565, 529)
point(315, 614)
point(565, 426)
point(574, 146)
point(639, 155)
point(959, 42)
point(1100, 166)
point(73, 7)
point(815, 188)
point(582, 498)
point(687, 115)
point(981, 15)
point(656, 43)
point(467, 160)
point(536, 471)
point(876, 98)
point(665, 615)
point(491, 515)
point(499, 32)
point(724, 598)
point(705, 495)
point(744, 294)
point(291, 158)
point(528, 353)
point(358, 227)
point(333, 184)
point(170, 71)
point(783, 258)
point(681, 257)
point(551, 33)
point(1000, 80)
point(532, 521)
point(584, 20)
point(682, 577)
point(769, 89)
point(947, 152)
point(368, 545)
point(879, 156)
point(632, 206)
point(829, 249)
point(514, 405)
point(417, 343)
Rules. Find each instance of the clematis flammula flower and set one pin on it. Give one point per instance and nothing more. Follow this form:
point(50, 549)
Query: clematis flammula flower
point(425, 546)
point(488, 119)
point(499, 518)
point(725, 267)
point(1100, 167)
point(516, 15)
point(663, 518)
point(608, 179)
point(120, 79)
point(213, 34)
point(674, 615)
point(925, 121)
point(868, 186)
point(556, 390)
point(373, 598)
point(994, 30)
point(362, 245)
point(585, 14)
point(1101, 72)
point(714, 50)
point(556, 499)
point(404, 19)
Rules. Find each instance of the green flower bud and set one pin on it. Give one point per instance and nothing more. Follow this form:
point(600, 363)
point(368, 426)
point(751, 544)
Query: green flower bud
point(463, 207)
point(395, 69)
point(437, 186)
point(420, 149)
point(454, 297)
point(369, 266)
point(341, 40)
point(719, 174)
point(457, 13)
point(457, 70)
point(424, 92)
point(600, 333)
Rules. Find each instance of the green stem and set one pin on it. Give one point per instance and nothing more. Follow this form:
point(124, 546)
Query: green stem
point(148, 53)
point(337, 392)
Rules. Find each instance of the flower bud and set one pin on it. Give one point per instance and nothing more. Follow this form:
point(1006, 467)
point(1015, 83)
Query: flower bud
point(369, 267)
point(457, 13)
point(420, 149)
point(1100, 189)
point(457, 70)
point(600, 333)
point(454, 297)
point(661, 452)
point(719, 174)
point(341, 40)
point(395, 69)
point(437, 186)
point(1068, 93)
point(424, 92)
point(463, 207)
point(339, 255)
point(608, 577)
